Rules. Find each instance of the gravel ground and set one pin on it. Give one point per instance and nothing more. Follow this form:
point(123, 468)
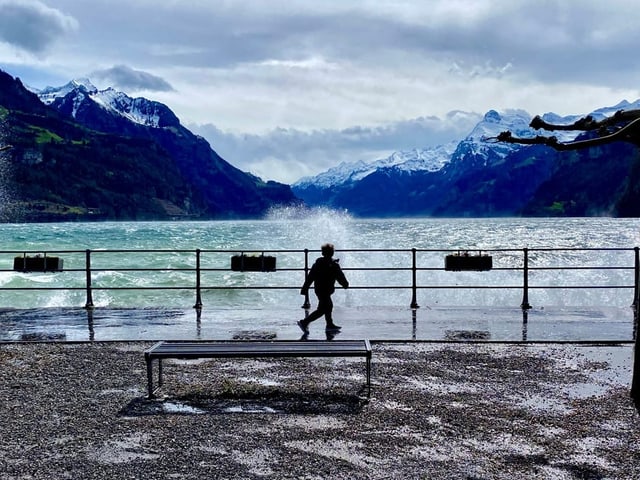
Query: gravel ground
point(450, 411)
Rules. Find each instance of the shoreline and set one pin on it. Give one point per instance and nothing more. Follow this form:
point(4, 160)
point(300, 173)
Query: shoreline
point(437, 410)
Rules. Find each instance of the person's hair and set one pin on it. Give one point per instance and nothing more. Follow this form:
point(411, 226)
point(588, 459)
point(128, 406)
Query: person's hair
point(327, 249)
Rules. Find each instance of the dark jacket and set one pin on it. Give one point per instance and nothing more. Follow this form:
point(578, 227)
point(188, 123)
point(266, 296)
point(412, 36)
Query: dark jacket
point(323, 274)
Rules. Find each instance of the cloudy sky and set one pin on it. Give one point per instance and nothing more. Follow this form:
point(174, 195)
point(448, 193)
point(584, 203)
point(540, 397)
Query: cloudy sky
point(286, 88)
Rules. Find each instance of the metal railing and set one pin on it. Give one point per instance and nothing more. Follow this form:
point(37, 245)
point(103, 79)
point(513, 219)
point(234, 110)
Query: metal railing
point(419, 264)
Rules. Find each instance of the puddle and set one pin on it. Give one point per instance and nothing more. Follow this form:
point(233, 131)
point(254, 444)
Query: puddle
point(175, 407)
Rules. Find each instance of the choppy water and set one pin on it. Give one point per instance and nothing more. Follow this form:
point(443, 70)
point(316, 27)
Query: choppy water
point(295, 230)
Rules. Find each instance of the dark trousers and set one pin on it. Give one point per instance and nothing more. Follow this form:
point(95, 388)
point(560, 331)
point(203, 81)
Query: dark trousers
point(325, 307)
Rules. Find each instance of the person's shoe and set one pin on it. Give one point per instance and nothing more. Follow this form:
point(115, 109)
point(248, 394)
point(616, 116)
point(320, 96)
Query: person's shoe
point(332, 328)
point(331, 334)
point(304, 327)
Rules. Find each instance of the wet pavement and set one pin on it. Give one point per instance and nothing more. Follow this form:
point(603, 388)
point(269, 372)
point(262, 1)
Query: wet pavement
point(376, 323)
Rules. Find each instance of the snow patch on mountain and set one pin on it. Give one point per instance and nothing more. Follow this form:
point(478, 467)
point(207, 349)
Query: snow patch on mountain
point(605, 112)
point(138, 110)
point(479, 141)
point(49, 94)
point(493, 123)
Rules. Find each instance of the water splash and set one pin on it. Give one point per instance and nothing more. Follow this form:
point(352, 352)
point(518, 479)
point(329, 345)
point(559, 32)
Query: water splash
point(298, 212)
point(312, 227)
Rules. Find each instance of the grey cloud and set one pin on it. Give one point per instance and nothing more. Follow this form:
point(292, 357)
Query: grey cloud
point(33, 26)
point(299, 153)
point(128, 79)
point(551, 41)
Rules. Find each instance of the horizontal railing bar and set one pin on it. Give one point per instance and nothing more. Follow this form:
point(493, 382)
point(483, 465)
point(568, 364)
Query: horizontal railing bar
point(354, 250)
point(595, 267)
point(11, 289)
point(580, 286)
point(505, 268)
point(373, 287)
point(300, 269)
point(469, 287)
point(150, 269)
point(21, 252)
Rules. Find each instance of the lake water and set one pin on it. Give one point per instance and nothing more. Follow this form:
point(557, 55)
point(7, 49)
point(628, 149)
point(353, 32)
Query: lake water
point(378, 305)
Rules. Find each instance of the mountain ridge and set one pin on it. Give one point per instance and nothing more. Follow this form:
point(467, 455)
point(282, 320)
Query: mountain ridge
point(88, 138)
point(481, 178)
point(84, 153)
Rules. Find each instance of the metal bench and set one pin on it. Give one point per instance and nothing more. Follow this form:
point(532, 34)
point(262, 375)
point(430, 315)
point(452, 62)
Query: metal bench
point(253, 349)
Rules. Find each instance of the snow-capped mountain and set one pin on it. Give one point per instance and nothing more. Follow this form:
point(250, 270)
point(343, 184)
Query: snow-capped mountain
point(211, 187)
point(138, 110)
point(478, 143)
point(477, 176)
point(495, 122)
point(428, 159)
point(49, 94)
point(603, 112)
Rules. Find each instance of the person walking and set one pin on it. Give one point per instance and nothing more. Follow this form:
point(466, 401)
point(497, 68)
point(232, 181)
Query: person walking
point(324, 274)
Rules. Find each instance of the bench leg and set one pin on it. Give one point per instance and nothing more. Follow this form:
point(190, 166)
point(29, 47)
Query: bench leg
point(150, 389)
point(149, 377)
point(368, 376)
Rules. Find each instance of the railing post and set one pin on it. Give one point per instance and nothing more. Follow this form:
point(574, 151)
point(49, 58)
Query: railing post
point(198, 304)
point(635, 380)
point(636, 278)
point(525, 294)
point(525, 321)
point(414, 301)
point(306, 303)
point(89, 303)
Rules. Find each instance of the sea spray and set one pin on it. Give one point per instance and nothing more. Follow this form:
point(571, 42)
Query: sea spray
point(311, 227)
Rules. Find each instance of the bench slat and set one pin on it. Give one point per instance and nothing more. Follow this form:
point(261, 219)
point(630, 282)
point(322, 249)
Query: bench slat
point(252, 348)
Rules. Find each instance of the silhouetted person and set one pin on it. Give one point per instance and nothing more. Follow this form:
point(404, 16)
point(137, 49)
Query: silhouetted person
point(324, 274)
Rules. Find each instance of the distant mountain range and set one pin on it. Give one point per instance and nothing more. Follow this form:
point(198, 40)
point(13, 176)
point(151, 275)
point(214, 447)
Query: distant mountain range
point(478, 178)
point(81, 153)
